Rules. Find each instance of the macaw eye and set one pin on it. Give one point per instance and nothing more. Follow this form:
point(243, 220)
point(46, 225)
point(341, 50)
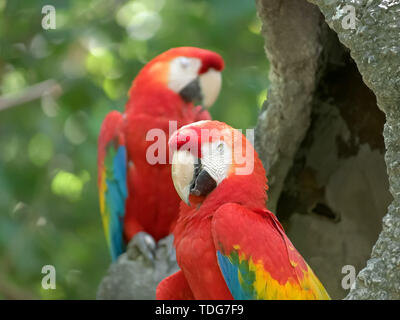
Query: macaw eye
point(183, 72)
point(184, 62)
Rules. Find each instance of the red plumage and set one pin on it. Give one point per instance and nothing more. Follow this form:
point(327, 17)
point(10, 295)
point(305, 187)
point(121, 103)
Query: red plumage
point(152, 203)
point(228, 245)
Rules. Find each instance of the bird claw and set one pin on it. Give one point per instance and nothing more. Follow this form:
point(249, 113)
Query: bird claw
point(168, 244)
point(142, 244)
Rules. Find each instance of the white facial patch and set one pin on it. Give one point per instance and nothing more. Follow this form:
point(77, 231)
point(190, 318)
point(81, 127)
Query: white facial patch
point(182, 71)
point(216, 158)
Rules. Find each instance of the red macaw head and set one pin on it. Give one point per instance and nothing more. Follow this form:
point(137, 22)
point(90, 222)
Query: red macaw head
point(193, 74)
point(208, 154)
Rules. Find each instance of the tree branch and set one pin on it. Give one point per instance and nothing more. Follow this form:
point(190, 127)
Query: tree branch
point(36, 91)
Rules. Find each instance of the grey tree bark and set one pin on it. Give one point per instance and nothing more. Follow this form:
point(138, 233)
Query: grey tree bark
point(132, 277)
point(320, 137)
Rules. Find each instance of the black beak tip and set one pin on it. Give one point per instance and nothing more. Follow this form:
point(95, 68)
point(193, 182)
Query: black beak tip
point(203, 184)
point(192, 92)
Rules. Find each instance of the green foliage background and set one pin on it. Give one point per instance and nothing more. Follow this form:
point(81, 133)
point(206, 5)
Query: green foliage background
point(48, 193)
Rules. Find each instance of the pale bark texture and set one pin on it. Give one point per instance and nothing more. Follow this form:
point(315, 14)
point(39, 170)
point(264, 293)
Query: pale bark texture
point(132, 277)
point(329, 137)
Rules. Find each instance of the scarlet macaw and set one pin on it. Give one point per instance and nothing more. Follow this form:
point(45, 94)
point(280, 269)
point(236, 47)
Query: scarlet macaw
point(228, 245)
point(137, 198)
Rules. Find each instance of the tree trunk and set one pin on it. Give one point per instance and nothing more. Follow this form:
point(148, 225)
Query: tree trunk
point(320, 137)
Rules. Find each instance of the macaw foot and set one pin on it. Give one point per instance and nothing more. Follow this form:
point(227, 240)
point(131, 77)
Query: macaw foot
point(168, 251)
point(142, 244)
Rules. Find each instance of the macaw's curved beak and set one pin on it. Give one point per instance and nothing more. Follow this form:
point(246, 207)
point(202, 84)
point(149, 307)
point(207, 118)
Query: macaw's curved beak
point(190, 177)
point(192, 92)
point(203, 90)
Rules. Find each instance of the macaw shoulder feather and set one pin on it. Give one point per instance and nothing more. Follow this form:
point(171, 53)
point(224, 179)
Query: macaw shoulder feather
point(256, 258)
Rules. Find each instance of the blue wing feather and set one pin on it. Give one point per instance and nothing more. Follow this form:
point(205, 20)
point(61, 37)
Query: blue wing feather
point(230, 271)
point(116, 195)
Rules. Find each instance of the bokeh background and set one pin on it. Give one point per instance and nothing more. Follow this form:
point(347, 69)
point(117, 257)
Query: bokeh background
point(48, 193)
